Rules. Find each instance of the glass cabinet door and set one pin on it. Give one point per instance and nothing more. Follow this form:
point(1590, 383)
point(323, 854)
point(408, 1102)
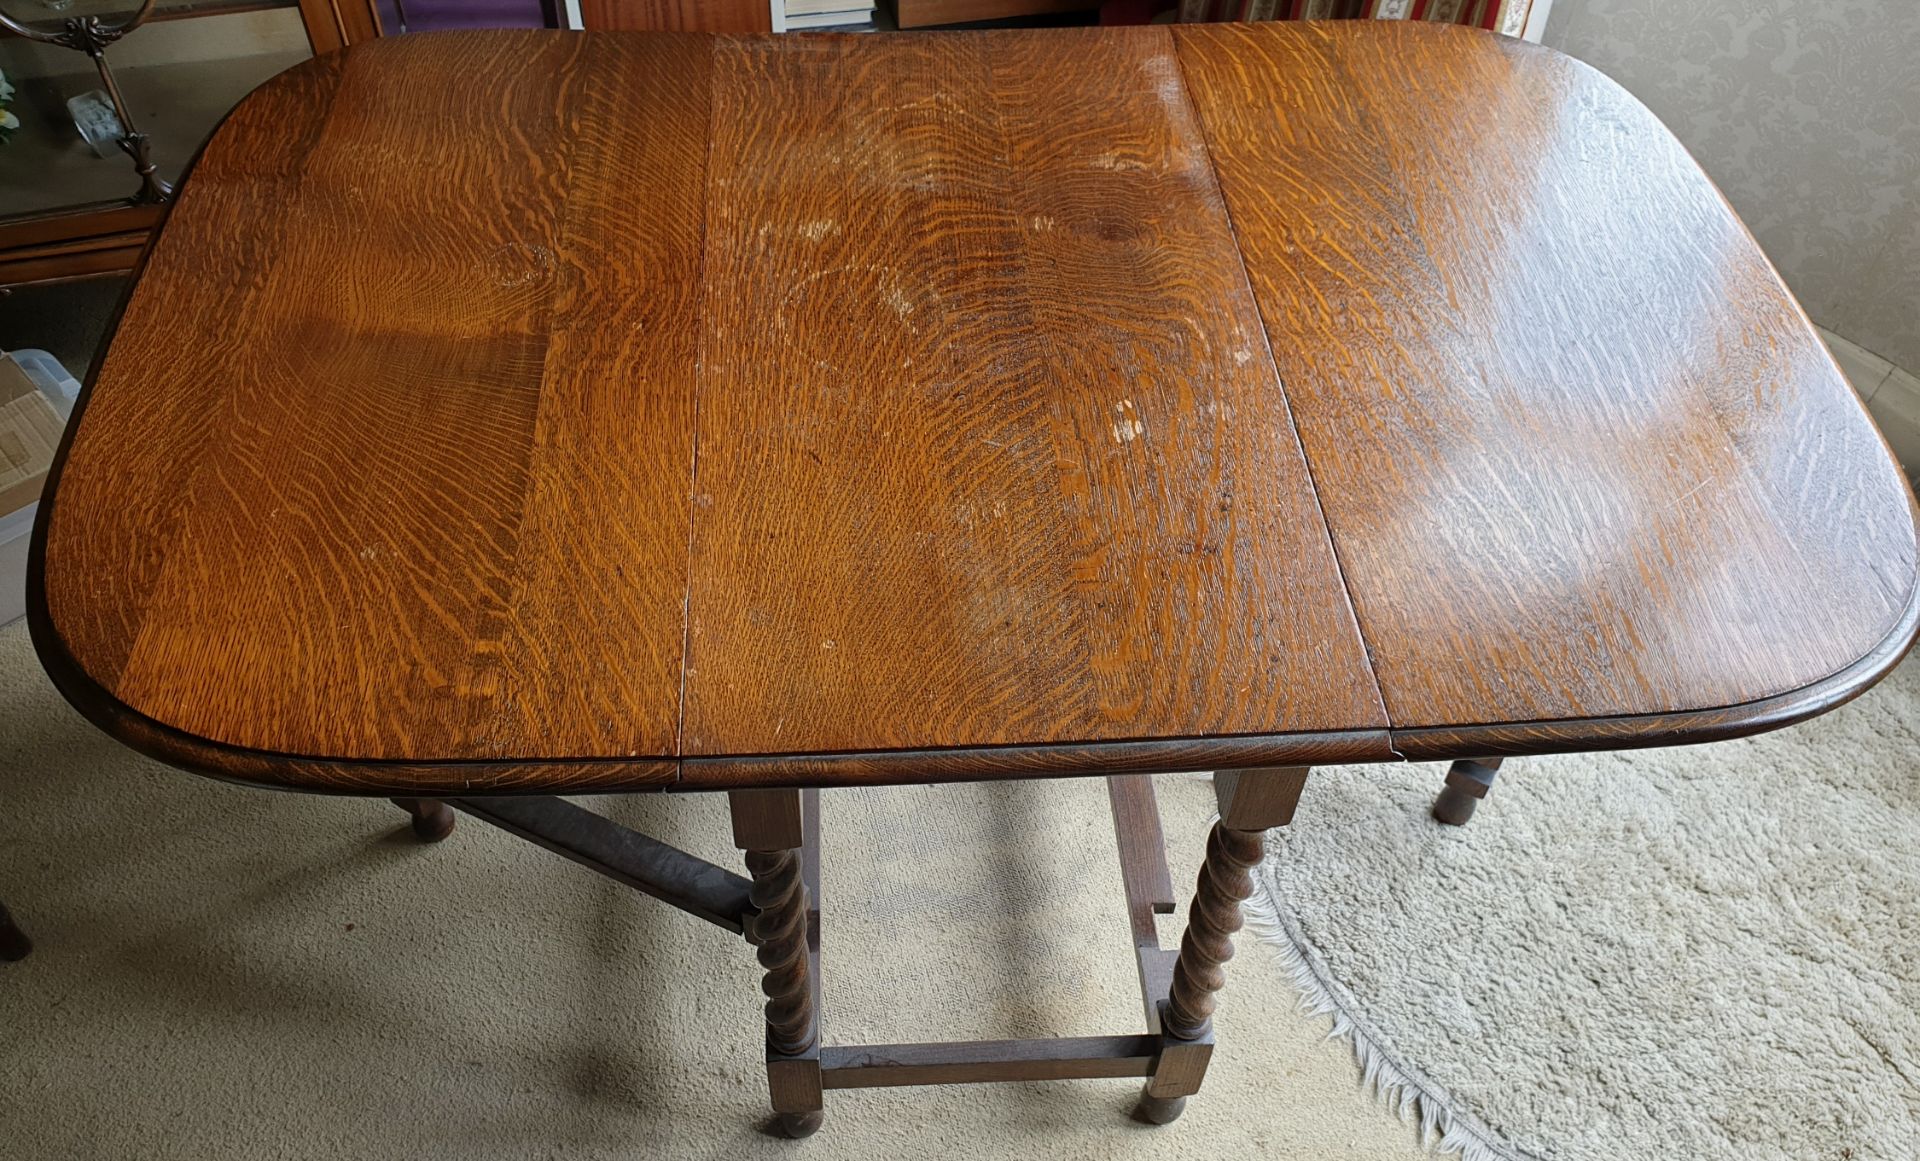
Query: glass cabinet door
point(179, 74)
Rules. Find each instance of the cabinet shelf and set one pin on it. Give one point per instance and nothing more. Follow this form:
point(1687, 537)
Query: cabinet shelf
point(39, 15)
point(48, 166)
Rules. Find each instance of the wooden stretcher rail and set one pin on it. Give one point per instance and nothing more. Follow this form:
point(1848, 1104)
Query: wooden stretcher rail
point(640, 861)
point(778, 827)
point(985, 1061)
point(1143, 852)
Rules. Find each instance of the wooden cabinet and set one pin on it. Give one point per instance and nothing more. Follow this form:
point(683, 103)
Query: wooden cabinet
point(676, 15)
point(151, 81)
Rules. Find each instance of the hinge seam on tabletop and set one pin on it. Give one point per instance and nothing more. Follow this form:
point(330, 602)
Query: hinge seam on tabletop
point(693, 463)
point(1286, 401)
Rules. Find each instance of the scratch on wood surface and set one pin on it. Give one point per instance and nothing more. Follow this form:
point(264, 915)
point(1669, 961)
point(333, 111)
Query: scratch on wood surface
point(1690, 493)
point(896, 299)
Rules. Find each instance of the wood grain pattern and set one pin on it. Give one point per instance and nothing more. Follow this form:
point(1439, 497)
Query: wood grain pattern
point(127, 479)
point(676, 15)
point(421, 362)
point(520, 412)
point(991, 439)
point(1575, 735)
point(498, 444)
point(599, 580)
point(1579, 449)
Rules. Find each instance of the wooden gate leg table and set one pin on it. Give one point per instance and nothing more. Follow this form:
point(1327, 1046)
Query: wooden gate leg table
point(506, 416)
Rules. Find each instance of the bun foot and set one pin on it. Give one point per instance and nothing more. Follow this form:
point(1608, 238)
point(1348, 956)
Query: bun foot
point(1159, 1110)
point(432, 818)
point(1454, 807)
point(798, 1125)
point(1468, 781)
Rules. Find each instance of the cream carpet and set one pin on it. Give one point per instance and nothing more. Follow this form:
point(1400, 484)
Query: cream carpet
point(1710, 953)
point(231, 973)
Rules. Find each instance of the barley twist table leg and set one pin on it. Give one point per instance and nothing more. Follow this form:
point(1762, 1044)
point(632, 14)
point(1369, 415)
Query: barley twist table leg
point(770, 827)
point(1251, 802)
point(779, 930)
point(1225, 883)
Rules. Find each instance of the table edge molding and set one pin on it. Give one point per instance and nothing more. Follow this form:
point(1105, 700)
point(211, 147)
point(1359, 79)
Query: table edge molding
point(390, 777)
point(1680, 728)
point(1049, 760)
point(386, 777)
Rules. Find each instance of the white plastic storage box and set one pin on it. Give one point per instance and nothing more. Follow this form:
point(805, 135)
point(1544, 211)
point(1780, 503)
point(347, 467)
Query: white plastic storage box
point(30, 427)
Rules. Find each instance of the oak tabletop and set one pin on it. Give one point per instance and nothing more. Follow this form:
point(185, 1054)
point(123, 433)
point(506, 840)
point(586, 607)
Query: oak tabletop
point(524, 411)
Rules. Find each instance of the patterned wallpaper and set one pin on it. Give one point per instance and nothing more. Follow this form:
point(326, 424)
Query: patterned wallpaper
point(1807, 113)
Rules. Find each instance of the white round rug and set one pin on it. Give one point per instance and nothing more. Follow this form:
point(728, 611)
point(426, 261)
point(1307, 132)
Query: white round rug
point(1700, 953)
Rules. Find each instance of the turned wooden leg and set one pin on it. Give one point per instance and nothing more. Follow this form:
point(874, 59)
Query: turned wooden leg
point(767, 825)
point(14, 944)
point(432, 818)
point(1468, 781)
point(1251, 802)
point(779, 930)
point(1225, 883)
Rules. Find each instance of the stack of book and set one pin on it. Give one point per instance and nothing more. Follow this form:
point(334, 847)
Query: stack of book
point(829, 15)
point(1508, 16)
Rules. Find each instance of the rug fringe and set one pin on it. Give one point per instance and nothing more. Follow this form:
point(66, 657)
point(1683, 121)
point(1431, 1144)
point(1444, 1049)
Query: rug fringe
point(1385, 1078)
